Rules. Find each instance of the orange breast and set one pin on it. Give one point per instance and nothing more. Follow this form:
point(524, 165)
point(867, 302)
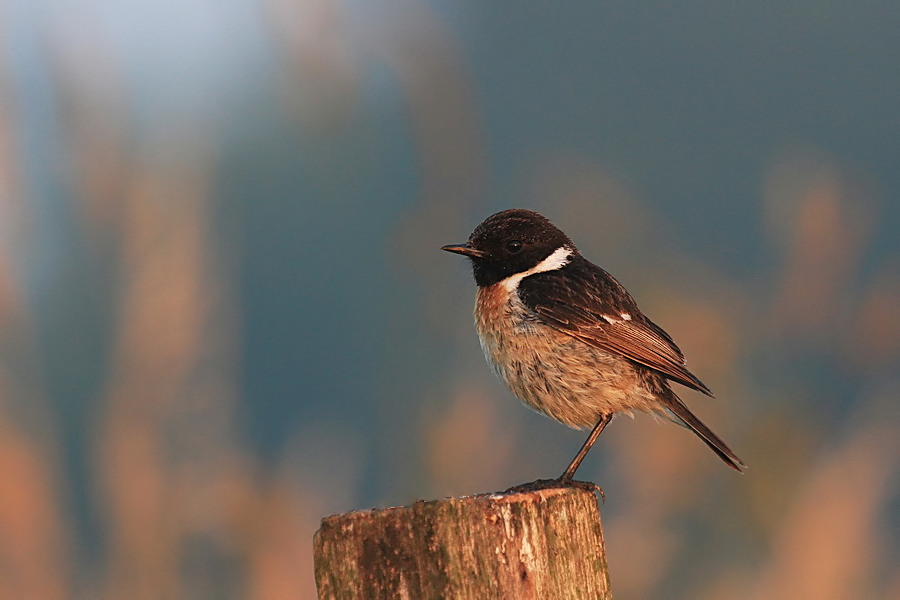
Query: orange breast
point(551, 371)
point(492, 305)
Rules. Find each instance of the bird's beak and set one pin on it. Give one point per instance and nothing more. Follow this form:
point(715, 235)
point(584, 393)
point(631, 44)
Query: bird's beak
point(465, 250)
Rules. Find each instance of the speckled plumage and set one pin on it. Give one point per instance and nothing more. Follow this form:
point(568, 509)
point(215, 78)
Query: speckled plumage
point(553, 372)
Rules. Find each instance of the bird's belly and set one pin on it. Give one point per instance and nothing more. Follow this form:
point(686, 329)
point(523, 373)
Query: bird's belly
point(554, 373)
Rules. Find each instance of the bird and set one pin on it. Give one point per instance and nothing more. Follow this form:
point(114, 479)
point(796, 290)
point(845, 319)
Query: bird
point(568, 339)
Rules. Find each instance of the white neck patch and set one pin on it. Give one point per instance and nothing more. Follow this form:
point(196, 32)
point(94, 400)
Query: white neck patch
point(557, 260)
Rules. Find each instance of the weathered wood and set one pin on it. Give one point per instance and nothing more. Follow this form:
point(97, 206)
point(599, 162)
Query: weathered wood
point(538, 544)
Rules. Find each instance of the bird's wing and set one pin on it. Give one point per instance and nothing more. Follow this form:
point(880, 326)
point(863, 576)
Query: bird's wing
point(586, 302)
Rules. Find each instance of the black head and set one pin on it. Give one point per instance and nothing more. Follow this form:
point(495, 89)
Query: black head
point(510, 242)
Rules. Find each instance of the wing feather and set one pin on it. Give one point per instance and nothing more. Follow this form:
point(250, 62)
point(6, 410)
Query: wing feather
point(586, 302)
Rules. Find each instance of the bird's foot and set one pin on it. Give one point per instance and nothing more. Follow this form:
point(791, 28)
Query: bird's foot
point(559, 482)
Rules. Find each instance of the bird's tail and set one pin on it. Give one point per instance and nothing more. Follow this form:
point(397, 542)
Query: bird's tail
point(685, 417)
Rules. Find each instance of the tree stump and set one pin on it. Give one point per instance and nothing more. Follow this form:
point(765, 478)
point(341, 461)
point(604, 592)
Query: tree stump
point(537, 544)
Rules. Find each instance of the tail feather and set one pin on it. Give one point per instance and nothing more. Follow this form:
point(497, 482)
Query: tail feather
point(674, 405)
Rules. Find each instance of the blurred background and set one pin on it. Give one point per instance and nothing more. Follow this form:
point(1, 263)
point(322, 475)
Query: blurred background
point(224, 313)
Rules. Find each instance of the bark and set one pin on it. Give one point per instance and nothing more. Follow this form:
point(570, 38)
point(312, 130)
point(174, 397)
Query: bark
point(537, 544)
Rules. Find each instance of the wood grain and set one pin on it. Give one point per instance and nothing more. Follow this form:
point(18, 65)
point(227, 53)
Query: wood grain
point(538, 544)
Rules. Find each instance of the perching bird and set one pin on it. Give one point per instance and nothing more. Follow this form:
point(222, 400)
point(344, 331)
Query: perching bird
point(567, 338)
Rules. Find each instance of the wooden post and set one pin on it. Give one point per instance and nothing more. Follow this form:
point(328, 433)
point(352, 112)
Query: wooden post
point(537, 544)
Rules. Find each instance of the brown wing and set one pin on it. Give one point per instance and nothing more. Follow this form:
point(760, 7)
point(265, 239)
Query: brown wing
point(586, 302)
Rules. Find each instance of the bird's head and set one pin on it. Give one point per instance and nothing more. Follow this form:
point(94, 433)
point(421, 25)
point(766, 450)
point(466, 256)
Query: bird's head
point(512, 242)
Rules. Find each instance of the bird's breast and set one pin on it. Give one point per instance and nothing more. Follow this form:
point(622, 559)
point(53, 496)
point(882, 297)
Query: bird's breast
point(504, 325)
point(517, 343)
point(549, 370)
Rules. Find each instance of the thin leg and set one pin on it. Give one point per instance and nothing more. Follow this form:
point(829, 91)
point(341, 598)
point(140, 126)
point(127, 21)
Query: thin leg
point(566, 479)
point(576, 462)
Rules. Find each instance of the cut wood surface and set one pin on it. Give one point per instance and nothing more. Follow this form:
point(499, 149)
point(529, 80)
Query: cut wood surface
point(536, 544)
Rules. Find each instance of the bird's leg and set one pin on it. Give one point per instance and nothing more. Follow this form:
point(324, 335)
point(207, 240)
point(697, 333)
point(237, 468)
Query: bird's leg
point(567, 478)
point(576, 462)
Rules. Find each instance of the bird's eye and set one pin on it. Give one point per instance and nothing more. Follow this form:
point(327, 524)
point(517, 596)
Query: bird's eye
point(513, 246)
